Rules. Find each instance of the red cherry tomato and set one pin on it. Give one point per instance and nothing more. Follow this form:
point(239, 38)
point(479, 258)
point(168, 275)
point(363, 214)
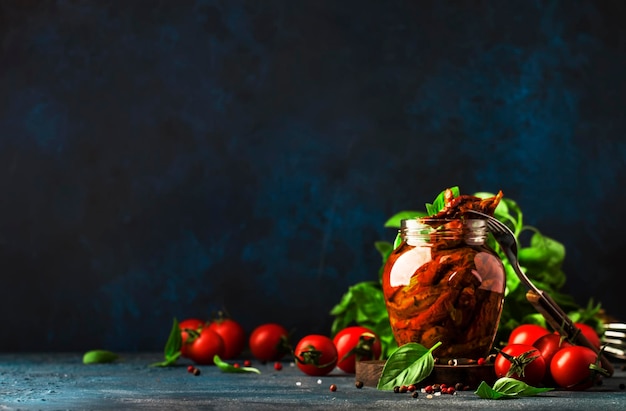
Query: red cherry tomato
point(205, 346)
point(189, 326)
point(570, 368)
point(315, 354)
point(356, 343)
point(591, 334)
point(269, 342)
point(233, 334)
point(522, 362)
point(527, 334)
point(548, 345)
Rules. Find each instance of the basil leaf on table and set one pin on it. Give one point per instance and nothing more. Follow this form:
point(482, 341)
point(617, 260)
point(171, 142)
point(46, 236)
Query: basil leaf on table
point(226, 367)
point(409, 364)
point(99, 357)
point(506, 387)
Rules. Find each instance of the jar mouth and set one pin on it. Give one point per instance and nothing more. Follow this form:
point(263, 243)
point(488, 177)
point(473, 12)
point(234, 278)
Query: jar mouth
point(472, 231)
point(426, 222)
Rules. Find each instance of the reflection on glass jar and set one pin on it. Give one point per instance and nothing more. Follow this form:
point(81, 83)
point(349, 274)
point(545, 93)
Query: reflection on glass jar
point(443, 283)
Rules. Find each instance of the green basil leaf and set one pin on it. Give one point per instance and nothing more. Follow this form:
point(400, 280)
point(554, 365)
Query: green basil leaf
point(171, 360)
point(486, 392)
point(384, 248)
point(409, 364)
point(174, 341)
point(172, 348)
point(99, 357)
point(506, 387)
point(226, 367)
point(440, 201)
point(552, 247)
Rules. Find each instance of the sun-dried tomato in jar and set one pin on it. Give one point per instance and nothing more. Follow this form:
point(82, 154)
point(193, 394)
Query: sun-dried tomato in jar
point(443, 283)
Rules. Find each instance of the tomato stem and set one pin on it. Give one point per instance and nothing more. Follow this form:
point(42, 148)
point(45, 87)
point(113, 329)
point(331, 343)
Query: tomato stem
point(597, 367)
point(312, 357)
point(519, 362)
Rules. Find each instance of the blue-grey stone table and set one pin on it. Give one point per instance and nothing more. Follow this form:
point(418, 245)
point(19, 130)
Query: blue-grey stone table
point(60, 381)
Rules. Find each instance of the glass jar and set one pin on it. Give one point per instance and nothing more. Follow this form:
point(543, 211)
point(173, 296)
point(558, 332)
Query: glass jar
point(443, 283)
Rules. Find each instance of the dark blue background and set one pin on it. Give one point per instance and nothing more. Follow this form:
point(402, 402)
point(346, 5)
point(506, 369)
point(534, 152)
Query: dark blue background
point(169, 158)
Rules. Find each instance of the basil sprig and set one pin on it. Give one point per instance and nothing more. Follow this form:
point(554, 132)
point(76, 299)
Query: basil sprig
point(409, 364)
point(226, 367)
point(172, 347)
point(507, 387)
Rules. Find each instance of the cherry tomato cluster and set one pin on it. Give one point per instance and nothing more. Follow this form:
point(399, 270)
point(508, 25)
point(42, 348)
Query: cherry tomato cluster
point(202, 340)
point(314, 354)
point(540, 357)
point(318, 354)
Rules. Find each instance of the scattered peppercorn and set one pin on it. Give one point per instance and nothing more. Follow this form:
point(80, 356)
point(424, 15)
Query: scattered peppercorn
point(480, 361)
point(412, 387)
point(278, 366)
point(415, 394)
point(236, 365)
point(196, 371)
point(429, 389)
point(333, 387)
point(396, 389)
point(358, 384)
point(404, 388)
point(247, 363)
point(190, 368)
point(459, 386)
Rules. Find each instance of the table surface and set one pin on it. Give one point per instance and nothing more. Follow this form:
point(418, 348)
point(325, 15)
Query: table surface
point(60, 381)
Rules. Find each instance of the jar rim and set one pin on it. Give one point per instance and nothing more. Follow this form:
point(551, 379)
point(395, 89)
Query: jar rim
point(420, 222)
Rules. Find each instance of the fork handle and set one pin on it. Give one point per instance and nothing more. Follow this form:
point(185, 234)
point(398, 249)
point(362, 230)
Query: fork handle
point(559, 320)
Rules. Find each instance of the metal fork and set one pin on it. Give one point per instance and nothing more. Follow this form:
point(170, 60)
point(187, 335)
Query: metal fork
point(543, 303)
point(614, 339)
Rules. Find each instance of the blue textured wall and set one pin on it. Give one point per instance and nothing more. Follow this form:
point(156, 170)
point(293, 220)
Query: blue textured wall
point(168, 158)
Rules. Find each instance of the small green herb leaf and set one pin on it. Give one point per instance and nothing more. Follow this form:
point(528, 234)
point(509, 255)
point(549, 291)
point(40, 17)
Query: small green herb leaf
point(226, 367)
point(440, 201)
point(507, 387)
point(99, 357)
point(171, 360)
point(172, 346)
point(174, 341)
point(409, 364)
